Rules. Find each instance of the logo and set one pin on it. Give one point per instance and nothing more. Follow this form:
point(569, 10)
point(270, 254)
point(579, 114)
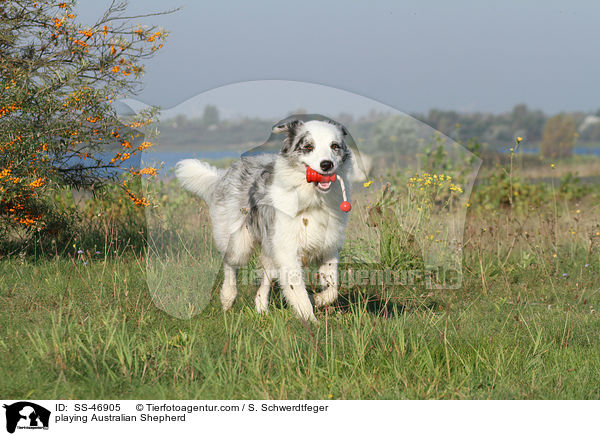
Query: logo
point(26, 415)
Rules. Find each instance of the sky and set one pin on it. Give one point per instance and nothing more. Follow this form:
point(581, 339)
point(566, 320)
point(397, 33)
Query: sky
point(410, 55)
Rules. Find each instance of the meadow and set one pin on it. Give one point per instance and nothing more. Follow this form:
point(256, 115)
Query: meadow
point(79, 320)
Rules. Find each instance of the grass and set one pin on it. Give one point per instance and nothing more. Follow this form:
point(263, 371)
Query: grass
point(93, 332)
point(523, 325)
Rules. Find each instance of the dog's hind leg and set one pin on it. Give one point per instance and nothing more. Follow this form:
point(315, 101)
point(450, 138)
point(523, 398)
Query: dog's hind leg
point(328, 276)
point(262, 295)
point(239, 249)
point(229, 289)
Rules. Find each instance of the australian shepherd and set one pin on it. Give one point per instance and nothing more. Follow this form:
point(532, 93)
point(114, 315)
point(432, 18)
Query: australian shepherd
point(266, 200)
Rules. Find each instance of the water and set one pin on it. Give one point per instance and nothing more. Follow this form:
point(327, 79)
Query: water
point(581, 151)
point(169, 159)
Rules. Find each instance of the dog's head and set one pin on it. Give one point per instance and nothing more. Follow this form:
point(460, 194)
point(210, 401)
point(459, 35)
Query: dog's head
point(319, 145)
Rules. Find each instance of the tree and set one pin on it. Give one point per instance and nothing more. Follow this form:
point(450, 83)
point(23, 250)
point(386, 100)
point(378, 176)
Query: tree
point(558, 137)
point(211, 115)
point(396, 133)
point(58, 80)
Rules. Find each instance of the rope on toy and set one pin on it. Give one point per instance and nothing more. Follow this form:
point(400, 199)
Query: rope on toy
point(345, 206)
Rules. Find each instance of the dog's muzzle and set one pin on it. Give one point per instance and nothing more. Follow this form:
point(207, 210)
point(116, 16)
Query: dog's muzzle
point(324, 182)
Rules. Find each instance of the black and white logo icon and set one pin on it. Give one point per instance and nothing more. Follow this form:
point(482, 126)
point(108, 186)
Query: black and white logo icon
point(26, 415)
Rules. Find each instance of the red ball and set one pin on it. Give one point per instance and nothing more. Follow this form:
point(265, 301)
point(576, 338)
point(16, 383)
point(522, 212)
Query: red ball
point(345, 206)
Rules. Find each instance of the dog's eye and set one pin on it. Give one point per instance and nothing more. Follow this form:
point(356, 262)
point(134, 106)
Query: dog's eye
point(335, 145)
point(309, 147)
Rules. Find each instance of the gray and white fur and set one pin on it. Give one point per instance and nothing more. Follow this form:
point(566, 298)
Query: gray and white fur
point(265, 200)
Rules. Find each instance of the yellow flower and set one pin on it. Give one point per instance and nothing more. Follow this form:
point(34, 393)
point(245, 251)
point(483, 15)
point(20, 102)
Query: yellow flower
point(519, 139)
point(367, 184)
point(552, 166)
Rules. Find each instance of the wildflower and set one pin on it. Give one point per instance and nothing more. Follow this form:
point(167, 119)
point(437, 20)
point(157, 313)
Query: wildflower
point(80, 251)
point(115, 69)
point(552, 166)
point(367, 184)
point(97, 252)
point(519, 139)
point(586, 265)
point(564, 274)
point(84, 263)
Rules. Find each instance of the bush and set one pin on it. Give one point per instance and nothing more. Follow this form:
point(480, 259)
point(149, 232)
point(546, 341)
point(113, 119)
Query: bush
point(59, 80)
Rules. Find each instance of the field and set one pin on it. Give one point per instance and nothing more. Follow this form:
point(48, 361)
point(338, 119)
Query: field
point(79, 322)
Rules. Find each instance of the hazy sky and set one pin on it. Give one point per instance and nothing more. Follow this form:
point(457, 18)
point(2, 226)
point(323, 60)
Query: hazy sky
point(412, 55)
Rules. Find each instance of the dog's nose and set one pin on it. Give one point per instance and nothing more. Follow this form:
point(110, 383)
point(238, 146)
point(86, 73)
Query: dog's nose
point(326, 165)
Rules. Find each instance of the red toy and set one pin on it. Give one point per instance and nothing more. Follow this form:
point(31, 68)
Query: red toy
point(313, 176)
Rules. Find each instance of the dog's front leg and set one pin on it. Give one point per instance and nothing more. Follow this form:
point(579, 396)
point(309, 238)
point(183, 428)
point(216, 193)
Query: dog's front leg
point(262, 295)
point(328, 276)
point(292, 283)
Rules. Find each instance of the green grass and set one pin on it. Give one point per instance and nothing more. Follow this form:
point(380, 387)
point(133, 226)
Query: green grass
point(74, 331)
point(523, 325)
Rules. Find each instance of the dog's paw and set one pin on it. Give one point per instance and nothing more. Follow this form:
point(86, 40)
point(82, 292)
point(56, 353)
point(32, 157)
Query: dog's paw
point(226, 303)
point(307, 315)
point(324, 299)
point(261, 305)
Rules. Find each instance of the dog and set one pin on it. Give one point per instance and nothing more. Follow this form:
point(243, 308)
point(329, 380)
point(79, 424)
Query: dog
point(265, 200)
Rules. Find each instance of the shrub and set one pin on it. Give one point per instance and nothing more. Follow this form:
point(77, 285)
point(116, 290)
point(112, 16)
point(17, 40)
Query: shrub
point(59, 79)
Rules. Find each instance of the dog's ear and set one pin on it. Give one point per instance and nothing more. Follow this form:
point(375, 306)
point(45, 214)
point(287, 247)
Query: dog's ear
point(287, 127)
point(290, 128)
point(339, 126)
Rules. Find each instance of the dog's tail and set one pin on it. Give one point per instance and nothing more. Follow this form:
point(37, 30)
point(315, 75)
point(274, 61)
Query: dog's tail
point(198, 177)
